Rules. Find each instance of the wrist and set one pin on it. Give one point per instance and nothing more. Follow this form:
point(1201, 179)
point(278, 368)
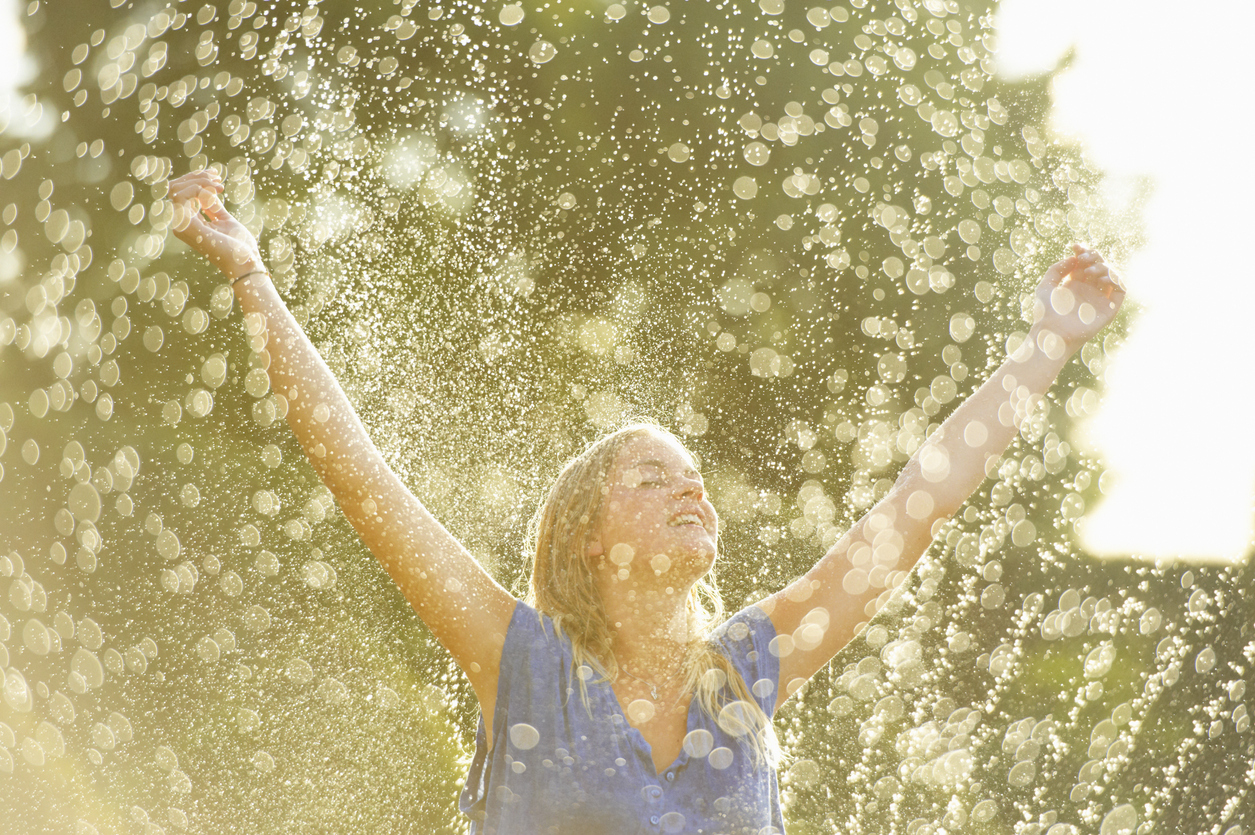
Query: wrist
point(246, 271)
point(1044, 343)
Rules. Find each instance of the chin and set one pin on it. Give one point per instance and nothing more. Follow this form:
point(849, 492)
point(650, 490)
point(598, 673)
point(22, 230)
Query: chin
point(703, 560)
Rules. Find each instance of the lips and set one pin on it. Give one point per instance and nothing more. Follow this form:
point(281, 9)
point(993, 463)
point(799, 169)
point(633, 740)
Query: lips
point(681, 519)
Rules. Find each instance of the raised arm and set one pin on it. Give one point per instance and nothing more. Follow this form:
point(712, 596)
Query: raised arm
point(464, 607)
point(821, 610)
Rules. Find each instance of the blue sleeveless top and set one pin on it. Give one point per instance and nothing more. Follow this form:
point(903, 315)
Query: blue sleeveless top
point(554, 769)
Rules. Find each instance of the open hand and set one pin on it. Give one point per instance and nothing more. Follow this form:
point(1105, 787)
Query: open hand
point(1077, 298)
point(204, 224)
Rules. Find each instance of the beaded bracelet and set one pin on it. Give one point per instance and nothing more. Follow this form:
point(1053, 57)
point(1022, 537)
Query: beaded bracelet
point(246, 275)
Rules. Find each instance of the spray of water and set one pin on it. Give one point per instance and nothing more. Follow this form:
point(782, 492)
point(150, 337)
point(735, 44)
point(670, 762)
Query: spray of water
point(795, 234)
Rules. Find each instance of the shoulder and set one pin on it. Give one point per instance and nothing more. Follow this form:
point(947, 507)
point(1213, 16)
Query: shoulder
point(532, 634)
point(745, 630)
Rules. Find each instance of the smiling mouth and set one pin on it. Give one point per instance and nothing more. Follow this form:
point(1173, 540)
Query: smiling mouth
point(686, 519)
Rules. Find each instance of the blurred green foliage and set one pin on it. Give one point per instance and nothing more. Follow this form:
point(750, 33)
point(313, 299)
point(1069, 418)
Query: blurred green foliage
point(501, 258)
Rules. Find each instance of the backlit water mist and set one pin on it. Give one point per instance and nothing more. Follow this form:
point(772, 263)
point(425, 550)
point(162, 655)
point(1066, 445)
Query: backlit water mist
point(796, 233)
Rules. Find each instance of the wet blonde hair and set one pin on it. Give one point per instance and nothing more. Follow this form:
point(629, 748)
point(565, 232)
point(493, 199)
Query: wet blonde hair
point(562, 586)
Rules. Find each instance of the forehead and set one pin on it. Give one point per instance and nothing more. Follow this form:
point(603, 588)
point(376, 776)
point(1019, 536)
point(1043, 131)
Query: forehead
point(654, 449)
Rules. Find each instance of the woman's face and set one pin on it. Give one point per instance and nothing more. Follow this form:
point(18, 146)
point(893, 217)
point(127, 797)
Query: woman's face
point(655, 516)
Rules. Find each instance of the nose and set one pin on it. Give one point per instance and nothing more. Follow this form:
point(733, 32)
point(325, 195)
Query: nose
point(688, 487)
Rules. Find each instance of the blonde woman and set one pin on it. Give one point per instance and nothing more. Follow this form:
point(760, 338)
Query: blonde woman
point(614, 699)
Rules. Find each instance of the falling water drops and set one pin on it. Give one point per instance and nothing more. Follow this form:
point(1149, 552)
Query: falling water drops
point(524, 736)
point(511, 14)
point(542, 52)
point(800, 235)
point(658, 14)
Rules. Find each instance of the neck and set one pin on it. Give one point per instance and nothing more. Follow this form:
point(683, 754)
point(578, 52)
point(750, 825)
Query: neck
point(650, 629)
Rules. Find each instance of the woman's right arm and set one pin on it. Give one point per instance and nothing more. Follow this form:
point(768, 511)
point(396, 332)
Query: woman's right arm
point(461, 604)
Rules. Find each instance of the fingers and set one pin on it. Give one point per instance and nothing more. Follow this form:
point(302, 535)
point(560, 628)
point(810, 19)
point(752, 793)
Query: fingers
point(1059, 269)
point(213, 209)
point(195, 192)
point(205, 193)
point(1091, 269)
point(192, 194)
point(193, 182)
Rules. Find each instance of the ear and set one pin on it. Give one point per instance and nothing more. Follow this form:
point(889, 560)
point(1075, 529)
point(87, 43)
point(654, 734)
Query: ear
point(594, 548)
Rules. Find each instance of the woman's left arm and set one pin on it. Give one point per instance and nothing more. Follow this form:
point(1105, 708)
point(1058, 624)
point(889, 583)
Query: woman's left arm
point(821, 610)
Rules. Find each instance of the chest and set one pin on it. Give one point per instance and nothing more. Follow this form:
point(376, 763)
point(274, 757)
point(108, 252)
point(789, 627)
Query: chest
point(663, 723)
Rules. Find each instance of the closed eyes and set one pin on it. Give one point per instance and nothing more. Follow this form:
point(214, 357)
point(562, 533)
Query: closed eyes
point(655, 474)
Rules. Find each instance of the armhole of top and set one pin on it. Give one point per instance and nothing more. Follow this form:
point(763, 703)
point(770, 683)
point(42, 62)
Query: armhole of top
point(521, 610)
point(764, 664)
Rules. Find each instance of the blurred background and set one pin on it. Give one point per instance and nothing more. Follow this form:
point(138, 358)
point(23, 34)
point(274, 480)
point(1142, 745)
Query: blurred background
point(796, 234)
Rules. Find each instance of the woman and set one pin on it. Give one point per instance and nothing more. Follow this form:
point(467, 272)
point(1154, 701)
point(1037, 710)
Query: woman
point(607, 703)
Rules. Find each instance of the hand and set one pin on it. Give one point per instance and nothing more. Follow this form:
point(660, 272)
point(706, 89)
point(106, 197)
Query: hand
point(204, 224)
point(1077, 298)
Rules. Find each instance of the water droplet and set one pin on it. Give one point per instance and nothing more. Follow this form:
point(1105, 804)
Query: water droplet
point(299, 671)
point(247, 721)
point(984, 811)
point(319, 575)
point(332, 691)
point(523, 736)
point(679, 152)
point(640, 711)
point(166, 759)
point(84, 502)
point(542, 52)
point(1205, 661)
point(1122, 820)
point(257, 382)
point(179, 783)
point(1099, 661)
point(209, 651)
point(168, 545)
point(699, 743)
point(256, 619)
point(511, 14)
point(659, 14)
point(1022, 774)
point(87, 666)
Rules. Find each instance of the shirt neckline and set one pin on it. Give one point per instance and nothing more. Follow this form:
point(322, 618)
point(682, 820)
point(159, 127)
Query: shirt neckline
point(639, 739)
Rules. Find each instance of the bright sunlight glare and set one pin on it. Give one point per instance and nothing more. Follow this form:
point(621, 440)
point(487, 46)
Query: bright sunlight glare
point(12, 44)
point(1173, 427)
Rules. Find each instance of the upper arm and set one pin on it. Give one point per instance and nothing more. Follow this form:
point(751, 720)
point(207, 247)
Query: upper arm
point(458, 600)
point(821, 610)
point(464, 607)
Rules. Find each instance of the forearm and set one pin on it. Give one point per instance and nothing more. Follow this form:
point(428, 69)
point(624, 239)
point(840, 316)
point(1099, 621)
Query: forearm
point(458, 600)
point(954, 461)
point(321, 416)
